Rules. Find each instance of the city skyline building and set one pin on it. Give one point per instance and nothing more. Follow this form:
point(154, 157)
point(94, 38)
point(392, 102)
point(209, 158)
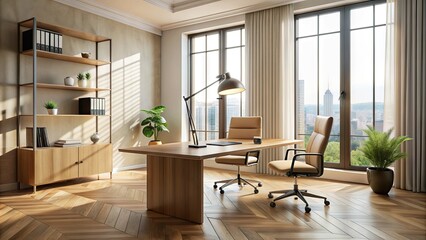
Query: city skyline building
point(328, 103)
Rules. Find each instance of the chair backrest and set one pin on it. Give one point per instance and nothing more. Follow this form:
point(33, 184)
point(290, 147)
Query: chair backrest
point(319, 140)
point(245, 127)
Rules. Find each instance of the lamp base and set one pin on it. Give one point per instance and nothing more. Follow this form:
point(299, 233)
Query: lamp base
point(197, 146)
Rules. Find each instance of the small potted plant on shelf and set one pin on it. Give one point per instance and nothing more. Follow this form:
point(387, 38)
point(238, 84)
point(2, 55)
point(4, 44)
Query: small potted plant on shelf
point(154, 124)
point(52, 107)
point(382, 150)
point(88, 76)
point(81, 80)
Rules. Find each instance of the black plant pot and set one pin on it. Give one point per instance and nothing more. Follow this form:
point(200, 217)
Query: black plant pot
point(380, 179)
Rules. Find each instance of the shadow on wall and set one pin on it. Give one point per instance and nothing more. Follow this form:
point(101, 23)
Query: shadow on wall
point(8, 151)
point(127, 102)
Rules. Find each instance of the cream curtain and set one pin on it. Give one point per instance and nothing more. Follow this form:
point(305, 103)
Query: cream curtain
point(405, 90)
point(270, 75)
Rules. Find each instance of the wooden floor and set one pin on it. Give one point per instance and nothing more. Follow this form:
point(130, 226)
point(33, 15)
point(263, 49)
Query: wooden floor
point(116, 209)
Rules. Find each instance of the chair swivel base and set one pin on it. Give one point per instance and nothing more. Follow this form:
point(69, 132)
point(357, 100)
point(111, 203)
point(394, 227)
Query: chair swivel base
point(238, 180)
point(299, 194)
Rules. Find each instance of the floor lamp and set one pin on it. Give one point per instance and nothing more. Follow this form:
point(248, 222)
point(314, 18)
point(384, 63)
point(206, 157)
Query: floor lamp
point(227, 86)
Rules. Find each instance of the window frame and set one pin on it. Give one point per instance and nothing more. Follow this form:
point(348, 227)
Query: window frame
point(345, 74)
point(222, 66)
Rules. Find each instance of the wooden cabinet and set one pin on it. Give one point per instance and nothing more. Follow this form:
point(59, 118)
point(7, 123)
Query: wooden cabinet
point(43, 165)
point(94, 159)
point(53, 164)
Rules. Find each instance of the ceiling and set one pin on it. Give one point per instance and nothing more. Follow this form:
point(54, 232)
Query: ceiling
point(159, 15)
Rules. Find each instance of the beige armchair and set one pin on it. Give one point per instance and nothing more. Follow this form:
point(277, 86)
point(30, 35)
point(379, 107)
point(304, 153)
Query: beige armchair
point(312, 166)
point(241, 128)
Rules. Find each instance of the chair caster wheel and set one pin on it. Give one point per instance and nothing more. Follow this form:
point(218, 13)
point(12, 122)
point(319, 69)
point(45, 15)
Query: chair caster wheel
point(270, 195)
point(259, 184)
point(307, 209)
point(256, 191)
point(326, 202)
point(214, 186)
point(221, 191)
point(272, 204)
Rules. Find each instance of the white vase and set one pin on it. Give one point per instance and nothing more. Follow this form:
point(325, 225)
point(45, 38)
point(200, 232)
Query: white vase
point(52, 111)
point(82, 83)
point(69, 81)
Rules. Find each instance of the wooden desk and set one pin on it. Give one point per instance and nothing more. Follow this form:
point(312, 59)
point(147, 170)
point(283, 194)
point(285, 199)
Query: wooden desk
point(175, 174)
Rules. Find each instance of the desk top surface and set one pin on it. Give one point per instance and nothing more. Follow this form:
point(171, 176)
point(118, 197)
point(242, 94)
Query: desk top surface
point(181, 149)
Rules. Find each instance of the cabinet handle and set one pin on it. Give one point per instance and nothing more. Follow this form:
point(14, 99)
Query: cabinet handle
point(76, 163)
point(81, 161)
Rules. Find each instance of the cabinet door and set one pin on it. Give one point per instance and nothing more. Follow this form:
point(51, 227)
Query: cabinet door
point(55, 164)
point(95, 159)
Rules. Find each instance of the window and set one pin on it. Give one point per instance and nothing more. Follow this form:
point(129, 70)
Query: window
point(213, 53)
point(340, 73)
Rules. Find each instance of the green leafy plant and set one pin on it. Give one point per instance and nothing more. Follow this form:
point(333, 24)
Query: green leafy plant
point(80, 76)
point(88, 76)
point(154, 123)
point(381, 149)
point(50, 104)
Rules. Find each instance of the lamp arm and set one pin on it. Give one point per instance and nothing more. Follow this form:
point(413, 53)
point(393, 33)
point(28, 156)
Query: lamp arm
point(191, 122)
point(221, 77)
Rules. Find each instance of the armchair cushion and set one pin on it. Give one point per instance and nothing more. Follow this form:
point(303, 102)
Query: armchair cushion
point(283, 167)
point(236, 160)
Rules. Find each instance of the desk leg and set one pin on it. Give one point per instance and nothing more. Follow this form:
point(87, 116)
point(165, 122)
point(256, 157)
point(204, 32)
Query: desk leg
point(175, 187)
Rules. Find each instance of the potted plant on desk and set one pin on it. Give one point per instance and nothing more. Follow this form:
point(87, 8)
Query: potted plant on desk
point(381, 150)
point(154, 124)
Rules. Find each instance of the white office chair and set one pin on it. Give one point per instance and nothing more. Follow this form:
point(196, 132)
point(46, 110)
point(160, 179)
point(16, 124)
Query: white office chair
point(241, 128)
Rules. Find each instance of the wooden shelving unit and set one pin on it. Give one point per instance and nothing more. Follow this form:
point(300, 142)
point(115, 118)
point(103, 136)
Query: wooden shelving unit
point(67, 58)
point(63, 87)
point(43, 165)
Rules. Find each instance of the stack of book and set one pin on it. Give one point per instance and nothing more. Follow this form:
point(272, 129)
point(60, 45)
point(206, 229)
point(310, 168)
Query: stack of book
point(41, 139)
point(91, 106)
point(45, 40)
point(67, 143)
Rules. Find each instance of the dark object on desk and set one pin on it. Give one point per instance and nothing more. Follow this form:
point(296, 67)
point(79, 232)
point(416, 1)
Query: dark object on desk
point(257, 140)
point(223, 143)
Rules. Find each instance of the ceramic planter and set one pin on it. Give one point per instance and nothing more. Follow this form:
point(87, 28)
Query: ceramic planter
point(52, 111)
point(380, 179)
point(154, 142)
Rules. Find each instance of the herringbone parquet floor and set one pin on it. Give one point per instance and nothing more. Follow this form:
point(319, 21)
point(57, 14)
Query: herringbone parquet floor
point(116, 209)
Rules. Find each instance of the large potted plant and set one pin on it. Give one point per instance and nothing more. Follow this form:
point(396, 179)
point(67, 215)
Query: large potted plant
point(154, 124)
point(382, 150)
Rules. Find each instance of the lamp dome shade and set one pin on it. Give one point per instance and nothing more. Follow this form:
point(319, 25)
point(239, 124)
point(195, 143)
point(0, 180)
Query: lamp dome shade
point(230, 86)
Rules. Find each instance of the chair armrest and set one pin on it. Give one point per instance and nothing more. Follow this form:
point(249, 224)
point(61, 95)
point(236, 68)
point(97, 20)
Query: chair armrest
point(256, 154)
point(294, 150)
point(321, 163)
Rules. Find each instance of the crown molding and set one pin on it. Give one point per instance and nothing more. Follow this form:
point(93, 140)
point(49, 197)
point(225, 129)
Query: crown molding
point(112, 14)
point(189, 4)
point(231, 13)
point(161, 4)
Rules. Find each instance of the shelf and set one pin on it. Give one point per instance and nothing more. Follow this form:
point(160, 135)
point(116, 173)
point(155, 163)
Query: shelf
point(67, 58)
point(63, 115)
point(65, 31)
point(63, 87)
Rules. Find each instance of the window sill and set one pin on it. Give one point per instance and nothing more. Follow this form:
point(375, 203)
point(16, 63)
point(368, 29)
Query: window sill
point(345, 175)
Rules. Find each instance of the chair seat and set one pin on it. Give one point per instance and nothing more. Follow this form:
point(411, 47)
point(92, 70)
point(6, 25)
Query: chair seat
point(235, 160)
point(285, 166)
